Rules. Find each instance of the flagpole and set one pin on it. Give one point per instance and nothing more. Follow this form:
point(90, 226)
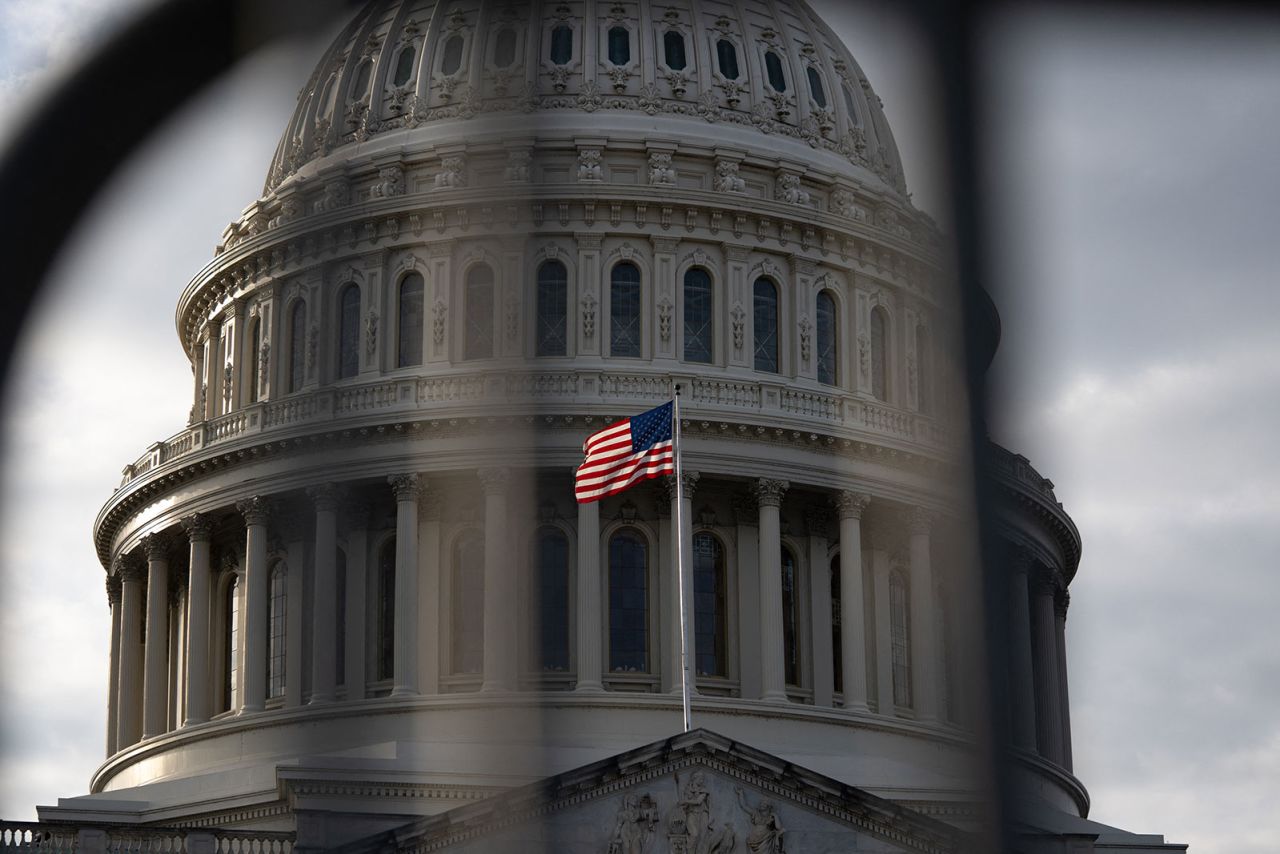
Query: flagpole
point(685, 680)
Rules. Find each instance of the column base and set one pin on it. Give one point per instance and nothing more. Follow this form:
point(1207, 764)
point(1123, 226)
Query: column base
point(194, 721)
point(319, 700)
point(857, 708)
point(404, 691)
point(588, 688)
point(775, 697)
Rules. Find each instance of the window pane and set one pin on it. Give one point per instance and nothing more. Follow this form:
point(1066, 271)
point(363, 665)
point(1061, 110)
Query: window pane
point(624, 310)
point(561, 45)
point(552, 588)
point(255, 364)
point(879, 387)
point(709, 612)
point(231, 631)
point(340, 629)
point(697, 316)
point(619, 45)
point(349, 333)
point(360, 86)
point(837, 649)
point(850, 105)
point(790, 640)
point(898, 630)
point(386, 637)
point(410, 332)
point(451, 61)
point(773, 67)
point(765, 319)
point(673, 47)
point(727, 58)
point(826, 333)
point(276, 633)
point(404, 66)
point(297, 345)
point(628, 603)
point(553, 310)
point(479, 313)
point(468, 604)
point(504, 49)
point(815, 88)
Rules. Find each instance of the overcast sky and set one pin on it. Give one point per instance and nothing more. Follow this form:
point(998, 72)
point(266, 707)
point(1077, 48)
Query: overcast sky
point(1135, 201)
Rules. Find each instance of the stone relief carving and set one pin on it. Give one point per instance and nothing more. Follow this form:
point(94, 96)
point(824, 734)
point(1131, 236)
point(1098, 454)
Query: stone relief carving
point(227, 373)
point(727, 179)
point(517, 171)
point(512, 316)
point(738, 316)
point(864, 355)
point(665, 311)
point(313, 346)
point(452, 172)
point(440, 314)
point(660, 172)
point(806, 330)
point(589, 303)
point(843, 204)
point(390, 182)
point(634, 826)
point(765, 836)
point(790, 191)
point(264, 363)
point(690, 829)
point(678, 81)
point(589, 165)
point(371, 333)
point(337, 194)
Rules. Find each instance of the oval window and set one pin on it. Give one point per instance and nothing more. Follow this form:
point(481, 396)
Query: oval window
point(561, 45)
point(727, 58)
point(673, 50)
point(452, 59)
point(619, 46)
point(773, 67)
point(404, 66)
point(361, 84)
point(815, 88)
point(504, 49)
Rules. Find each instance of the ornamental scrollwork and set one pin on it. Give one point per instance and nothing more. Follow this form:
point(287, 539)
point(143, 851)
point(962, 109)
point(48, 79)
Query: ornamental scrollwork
point(727, 178)
point(660, 172)
point(589, 169)
point(589, 303)
point(665, 312)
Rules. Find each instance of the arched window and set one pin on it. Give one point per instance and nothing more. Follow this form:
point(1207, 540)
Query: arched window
point(816, 89)
point(551, 586)
point(850, 105)
point(826, 334)
point(479, 313)
point(231, 643)
point(765, 325)
point(727, 59)
point(879, 354)
point(673, 50)
point(349, 332)
point(340, 615)
point(773, 68)
point(551, 335)
point(619, 45)
point(404, 66)
point(451, 58)
point(504, 49)
point(924, 372)
point(710, 629)
point(385, 626)
point(899, 634)
point(561, 45)
point(276, 630)
point(790, 621)
point(624, 310)
point(697, 316)
point(297, 345)
point(628, 602)
point(467, 594)
point(327, 97)
point(255, 358)
point(837, 619)
point(410, 311)
point(360, 85)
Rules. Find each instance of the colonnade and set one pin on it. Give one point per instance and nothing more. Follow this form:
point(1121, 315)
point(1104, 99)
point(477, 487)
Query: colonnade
point(889, 656)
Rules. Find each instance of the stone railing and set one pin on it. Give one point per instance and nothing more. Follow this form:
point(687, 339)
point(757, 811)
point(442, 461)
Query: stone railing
point(22, 836)
point(507, 392)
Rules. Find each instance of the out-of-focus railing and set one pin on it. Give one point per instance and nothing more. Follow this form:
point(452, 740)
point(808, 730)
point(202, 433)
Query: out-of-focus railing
point(24, 836)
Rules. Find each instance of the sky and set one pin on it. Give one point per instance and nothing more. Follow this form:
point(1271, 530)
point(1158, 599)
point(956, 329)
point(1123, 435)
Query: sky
point(1135, 211)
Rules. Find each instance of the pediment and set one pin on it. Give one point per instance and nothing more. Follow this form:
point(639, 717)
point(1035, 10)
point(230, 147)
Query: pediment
point(697, 793)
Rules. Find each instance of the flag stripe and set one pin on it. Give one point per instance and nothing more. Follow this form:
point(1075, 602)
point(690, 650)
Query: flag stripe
point(619, 455)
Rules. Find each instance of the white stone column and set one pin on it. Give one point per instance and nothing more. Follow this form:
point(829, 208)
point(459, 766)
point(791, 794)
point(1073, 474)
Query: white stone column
point(174, 690)
point(429, 593)
point(129, 699)
point(1022, 693)
point(924, 672)
point(113, 667)
point(406, 488)
point(253, 687)
point(853, 630)
point(590, 636)
point(682, 540)
point(817, 522)
point(884, 634)
point(199, 529)
point(1045, 648)
point(1061, 602)
point(293, 532)
point(768, 495)
point(746, 517)
point(499, 613)
point(155, 677)
point(356, 517)
point(324, 593)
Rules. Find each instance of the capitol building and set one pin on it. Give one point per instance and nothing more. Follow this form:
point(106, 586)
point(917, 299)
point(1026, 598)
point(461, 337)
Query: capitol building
point(354, 604)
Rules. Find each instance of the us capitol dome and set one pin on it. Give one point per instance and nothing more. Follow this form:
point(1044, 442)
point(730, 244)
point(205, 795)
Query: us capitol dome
point(354, 602)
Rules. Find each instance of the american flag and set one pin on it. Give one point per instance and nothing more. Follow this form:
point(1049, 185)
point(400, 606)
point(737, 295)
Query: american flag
point(621, 454)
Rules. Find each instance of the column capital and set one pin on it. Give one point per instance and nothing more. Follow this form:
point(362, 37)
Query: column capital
point(921, 520)
point(199, 527)
point(1021, 560)
point(689, 484)
point(155, 546)
point(326, 497)
point(113, 590)
point(1061, 601)
point(129, 568)
point(493, 479)
point(406, 486)
point(1045, 582)
point(256, 510)
point(665, 487)
point(768, 492)
point(851, 504)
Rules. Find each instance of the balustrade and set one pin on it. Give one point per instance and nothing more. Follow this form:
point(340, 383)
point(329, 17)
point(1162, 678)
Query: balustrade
point(24, 836)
